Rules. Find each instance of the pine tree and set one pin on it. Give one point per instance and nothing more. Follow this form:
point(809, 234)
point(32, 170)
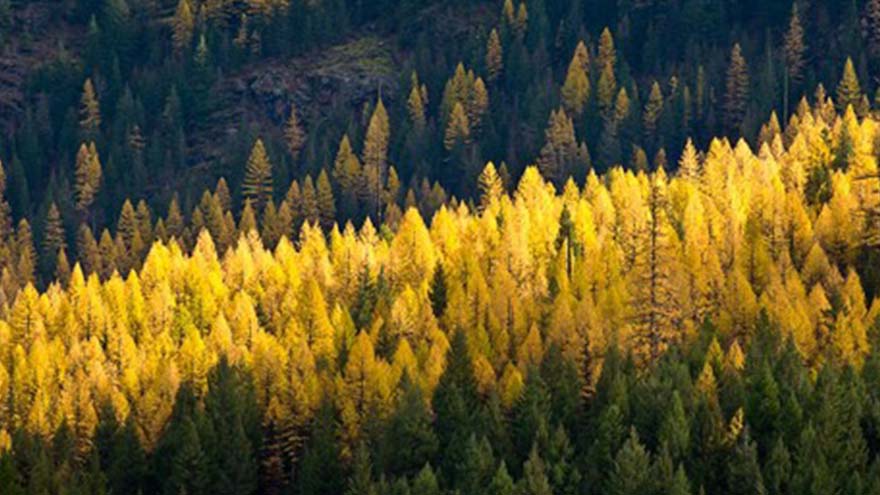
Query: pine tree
point(415, 104)
point(490, 185)
point(689, 163)
point(248, 221)
point(848, 90)
point(438, 291)
point(174, 219)
point(576, 89)
point(737, 91)
point(502, 483)
point(458, 128)
point(409, 439)
point(631, 473)
point(293, 134)
point(534, 480)
point(53, 237)
point(478, 105)
point(88, 176)
point(27, 254)
point(605, 92)
point(558, 158)
point(309, 201)
point(494, 57)
point(522, 20)
point(651, 115)
point(89, 113)
point(326, 202)
point(257, 186)
point(375, 156)
point(347, 173)
point(794, 47)
point(87, 250)
point(655, 269)
point(183, 26)
point(607, 53)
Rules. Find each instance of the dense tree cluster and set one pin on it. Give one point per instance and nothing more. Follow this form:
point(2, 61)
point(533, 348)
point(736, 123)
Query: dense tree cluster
point(200, 295)
point(532, 343)
point(144, 85)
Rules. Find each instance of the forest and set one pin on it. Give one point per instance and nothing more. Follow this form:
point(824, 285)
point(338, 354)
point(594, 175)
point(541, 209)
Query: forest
point(547, 247)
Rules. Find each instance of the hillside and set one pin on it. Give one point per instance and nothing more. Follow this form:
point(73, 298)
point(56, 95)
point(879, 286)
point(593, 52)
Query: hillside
point(547, 247)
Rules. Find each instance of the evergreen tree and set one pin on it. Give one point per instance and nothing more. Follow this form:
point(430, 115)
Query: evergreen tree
point(53, 239)
point(794, 50)
point(494, 56)
point(89, 113)
point(438, 291)
point(326, 202)
point(88, 176)
point(737, 91)
point(409, 442)
point(183, 26)
point(375, 156)
point(631, 474)
point(651, 115)
point(257, 186)
point(576, 89)
point(534, 480)
point(347, 173)
point(848, 90)
point(294, 135)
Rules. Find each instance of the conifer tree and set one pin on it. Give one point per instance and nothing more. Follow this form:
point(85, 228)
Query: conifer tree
point(347, 173)
point(737, 91)
point(576, 89)
point(458, 128)
point(224, 197)
point(89, 113)
point(522, 20)
point(794, 50)
point(607, 53)
point(502, 483)
point(490, 185)
point(478, 105)
point(248, 221)
point(409, 440)
point(309, 201)
point(848, 90)
point(689, 164)
point(88, 176)
point(606, 91)
point(183, 25)
point(656, 303)
point(293, 133)
point(326, 202)
point(375, 154)
point(415, 104)
point(651, 115)
point(494, 56)
point(27, 255)
point(174, 219)
point(558, 158)
point(534, 480)
point(87, 250)
point(53, 237)
point(257, 186)
point(631, 473)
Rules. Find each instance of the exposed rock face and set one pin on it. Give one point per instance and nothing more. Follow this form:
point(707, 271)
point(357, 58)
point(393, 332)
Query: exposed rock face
point(349, 74)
